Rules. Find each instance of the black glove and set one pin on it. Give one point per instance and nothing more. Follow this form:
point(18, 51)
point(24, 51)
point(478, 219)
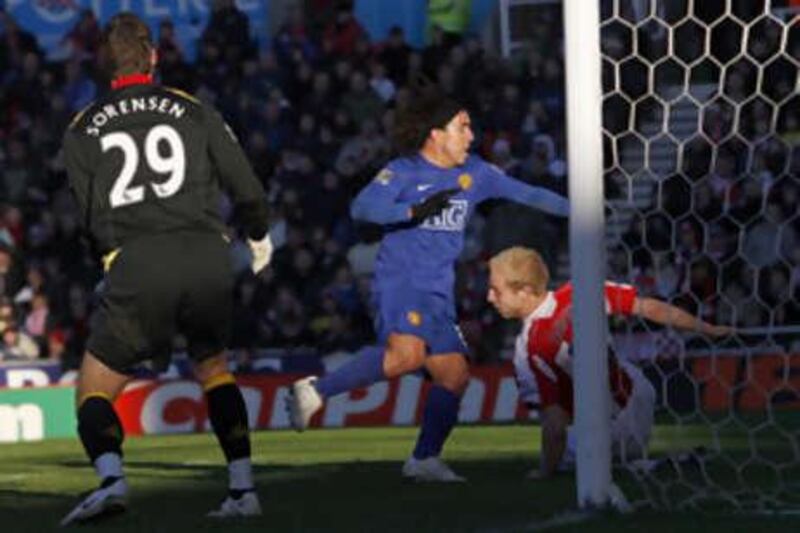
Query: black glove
point(433, 204)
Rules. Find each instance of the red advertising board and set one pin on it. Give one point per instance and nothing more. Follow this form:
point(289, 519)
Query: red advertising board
point(177, 406)
point(711, 384)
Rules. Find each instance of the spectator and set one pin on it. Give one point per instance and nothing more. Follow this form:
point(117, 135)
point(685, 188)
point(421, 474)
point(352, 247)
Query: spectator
point(83, 40)
point(364, 151)
point(12, 231)
point(360, 102)
point(17, 43)
point(503, 158)
point(395, 55)
point(262, 77)
point(56, 345)
point(294, 37)
point(172, 63)
point(344, 31)
point(229, 29)
point(10, 277)
point(451, 17)
point(361, 256)
point(771, 239)
point(168, 40)
point(36, 323)
point(380, 83)
point(343, 290)
point(79, 90)
point(25, 91)
point(15, 344)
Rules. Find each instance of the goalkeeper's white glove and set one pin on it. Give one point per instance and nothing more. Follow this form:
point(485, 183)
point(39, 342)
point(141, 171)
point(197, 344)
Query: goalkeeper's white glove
point(262, 253)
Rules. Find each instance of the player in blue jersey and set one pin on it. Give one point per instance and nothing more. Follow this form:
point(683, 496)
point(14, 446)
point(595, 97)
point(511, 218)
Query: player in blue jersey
point(423, 199)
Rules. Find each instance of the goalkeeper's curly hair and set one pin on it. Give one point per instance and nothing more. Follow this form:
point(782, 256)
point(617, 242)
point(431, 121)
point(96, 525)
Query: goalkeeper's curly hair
point(427, 109)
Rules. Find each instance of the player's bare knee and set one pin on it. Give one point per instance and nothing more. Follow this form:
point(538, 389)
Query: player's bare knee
point(401, 361)
point(404, 353)
point(451, 372)
point(97, 379)
point(456, 382)
point(461, 381)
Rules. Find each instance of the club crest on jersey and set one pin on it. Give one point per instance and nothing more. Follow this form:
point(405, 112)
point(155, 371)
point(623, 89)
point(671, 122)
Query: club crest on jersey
point(384, 176)
point(454, 218)
point(414, 318)
point(465, 181)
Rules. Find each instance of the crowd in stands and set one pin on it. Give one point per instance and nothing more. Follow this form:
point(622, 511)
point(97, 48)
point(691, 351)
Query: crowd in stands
point(721, 235)
point(313, 108)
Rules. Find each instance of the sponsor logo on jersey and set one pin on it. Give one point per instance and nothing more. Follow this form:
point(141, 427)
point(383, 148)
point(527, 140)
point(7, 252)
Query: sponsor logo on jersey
point(454, 218)
point(424, 186)
point(465, 181)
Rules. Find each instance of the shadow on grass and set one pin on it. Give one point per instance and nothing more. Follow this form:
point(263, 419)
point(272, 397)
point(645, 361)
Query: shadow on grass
point(354, 496)
point(348, 496)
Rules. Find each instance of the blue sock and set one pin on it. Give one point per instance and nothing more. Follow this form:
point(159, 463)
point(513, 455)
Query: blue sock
point(365, 369)
point(441, 414)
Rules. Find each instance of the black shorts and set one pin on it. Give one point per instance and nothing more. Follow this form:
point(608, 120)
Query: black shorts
point(159, 286)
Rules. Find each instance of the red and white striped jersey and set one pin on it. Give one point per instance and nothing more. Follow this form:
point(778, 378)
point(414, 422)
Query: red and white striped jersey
point(543, 359)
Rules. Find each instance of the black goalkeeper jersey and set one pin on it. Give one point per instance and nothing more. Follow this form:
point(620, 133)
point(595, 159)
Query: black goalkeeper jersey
point(147, 159)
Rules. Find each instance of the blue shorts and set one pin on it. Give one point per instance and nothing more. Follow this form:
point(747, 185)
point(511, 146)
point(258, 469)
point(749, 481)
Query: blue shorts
point(430, 316)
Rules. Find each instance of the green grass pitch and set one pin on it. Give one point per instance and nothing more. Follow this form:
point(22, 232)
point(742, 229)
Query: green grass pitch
point(327, 480)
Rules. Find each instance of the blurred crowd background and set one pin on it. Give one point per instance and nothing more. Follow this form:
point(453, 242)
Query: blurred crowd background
point(312, 108)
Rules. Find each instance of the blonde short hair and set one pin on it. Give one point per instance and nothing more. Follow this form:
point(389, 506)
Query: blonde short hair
point(522, 267)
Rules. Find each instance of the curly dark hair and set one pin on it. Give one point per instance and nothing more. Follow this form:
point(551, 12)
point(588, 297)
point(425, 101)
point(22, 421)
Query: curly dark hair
point(427, 109)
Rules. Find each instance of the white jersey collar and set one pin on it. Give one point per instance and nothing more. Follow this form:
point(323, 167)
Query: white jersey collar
point(543, 310)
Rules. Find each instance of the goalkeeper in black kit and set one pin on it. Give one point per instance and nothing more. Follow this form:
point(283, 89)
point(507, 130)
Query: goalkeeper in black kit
point(147, 165)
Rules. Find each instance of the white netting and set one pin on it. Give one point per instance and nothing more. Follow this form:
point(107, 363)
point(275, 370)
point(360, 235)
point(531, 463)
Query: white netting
point(701, 127)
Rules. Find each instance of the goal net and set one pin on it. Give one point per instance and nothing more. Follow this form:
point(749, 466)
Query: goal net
point(701, 139)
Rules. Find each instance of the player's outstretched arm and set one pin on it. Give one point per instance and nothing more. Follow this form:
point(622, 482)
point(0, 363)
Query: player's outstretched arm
point(554, 420)
point(670, 315)
point(504, 186)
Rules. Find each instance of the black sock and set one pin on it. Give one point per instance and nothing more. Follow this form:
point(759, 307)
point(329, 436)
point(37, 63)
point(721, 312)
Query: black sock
point(108, 481)
point(99, 427)
point(228, 416)
point(238, 493)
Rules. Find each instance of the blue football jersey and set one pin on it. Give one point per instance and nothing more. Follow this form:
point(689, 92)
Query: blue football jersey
point(421, 255)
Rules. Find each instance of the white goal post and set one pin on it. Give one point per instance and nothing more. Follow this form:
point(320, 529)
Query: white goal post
point(695, 106)
point(587, 250)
